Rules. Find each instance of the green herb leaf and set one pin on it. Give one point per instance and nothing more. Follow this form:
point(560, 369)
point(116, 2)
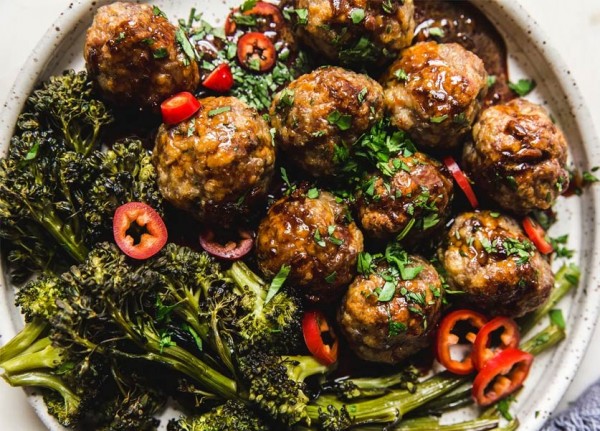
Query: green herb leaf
point(401, 75)
point(436, 31)
point(362, 95)
point(589, 178)
point(557, 318)
point(33, 151)
point(331, 277)
point(365, 263)
point(523, 86)
point(357, 15)
point(148, 41)
point(491, 80)
point(185, 44)
point(319, 239)
point(503, 407)
point(342, 121)
point(157, 12)
point(277, 282)
point(387, 292)
point(247, 5)
point(160, 53)
point(439, 119)
point(217, 111)
point(313, 193)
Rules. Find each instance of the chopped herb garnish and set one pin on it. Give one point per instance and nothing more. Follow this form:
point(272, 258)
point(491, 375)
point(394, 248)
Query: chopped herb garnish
point(460, 119)
point(589, 178)
point(388, 6)
point(559, 247)
point(33, 151)
point(557, 318)
point(512, 182)
point(503, 407)
point(491, 80)
point(301, 14)
point(313, 193)
point(160, 53)
point(157, 12)
point(191, 128)
point(342, 121)
point(436, 31)
point(386, 293)
point(357, 15)
point(185, 45)
point(362, 95)
point(331, 277)
point(247, 5)
point(217, 111)
point(121, 37)
point(148, 41)
point(401, 75)
point(430, 221)
point(439, 119)
point(395, 328)
point(289, 187)
point(277, 282)
point(286, 98)
point(523, 86)
point(319, 239)
point(365, 263)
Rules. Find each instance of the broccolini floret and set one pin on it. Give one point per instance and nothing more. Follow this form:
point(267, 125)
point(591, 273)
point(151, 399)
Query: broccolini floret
point(230, 416)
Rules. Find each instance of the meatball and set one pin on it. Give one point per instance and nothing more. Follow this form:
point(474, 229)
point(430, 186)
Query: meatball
point(412, 199)
point(323, 112)
point(218, 164)
point(132, 53)
point(434, 92)
point(354, 32)
point(488, 257)
point(316, 238)
point(518, 156)
point(392, 328)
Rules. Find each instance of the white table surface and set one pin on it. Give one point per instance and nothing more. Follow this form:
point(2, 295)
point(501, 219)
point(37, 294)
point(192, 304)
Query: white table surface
point(571, 27)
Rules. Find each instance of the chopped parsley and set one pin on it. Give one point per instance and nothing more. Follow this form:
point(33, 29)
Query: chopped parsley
point(277, 282)
point(248, 5)
point(160, 53)
point(363, 51)
point(388, 6)
point(301, 14)
point(386, 293)
point(362, 95)
point(148, 41)
point(289, 187)
point(217, 111)
point(331, 277)
point(157, 12)
point(491, 80)
point(357, 15)
point(401, 75)
point(522, 87)
point(588, 177)
point(121, 37)
point(559, 246)
point(436, 32)
point(186, 46)
point(342, 121)
point(313, 193)
point(319, 239)
point(286, 98)
point(439, 119)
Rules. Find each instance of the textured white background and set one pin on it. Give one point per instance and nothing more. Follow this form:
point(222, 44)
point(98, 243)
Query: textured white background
point(571, 27)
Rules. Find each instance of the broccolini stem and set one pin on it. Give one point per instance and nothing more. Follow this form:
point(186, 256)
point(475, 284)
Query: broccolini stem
point(63, 234)
point(23, 339)
point(566, 278)
point(48, 357)
point(548, 337)
point(43, 380)
point(431, 424)
point(244, 276)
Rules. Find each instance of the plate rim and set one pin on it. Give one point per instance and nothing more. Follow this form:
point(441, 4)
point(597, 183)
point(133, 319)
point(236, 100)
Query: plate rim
point(579, 335)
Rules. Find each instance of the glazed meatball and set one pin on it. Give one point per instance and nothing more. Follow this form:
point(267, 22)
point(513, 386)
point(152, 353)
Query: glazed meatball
point(132, 54)
point(489, 258)
point(413, 201)
point(518, 156)
point(316, 238)
point(434, 92)
point(322, 112)
point(382, 330)
point(355, 32)
point(218, 164)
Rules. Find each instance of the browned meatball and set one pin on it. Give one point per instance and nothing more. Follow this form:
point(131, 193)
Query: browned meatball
point(218, 164)
point(316, 238)
point(322, 112)
point(434, 92)
point(489, 257)
point(518, 156)
point(390, 329)
point(355, 32)
point(132, 53)
point(412, 200)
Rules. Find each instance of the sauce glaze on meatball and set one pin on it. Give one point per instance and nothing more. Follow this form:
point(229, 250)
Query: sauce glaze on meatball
point(488, 257)
point(415, 200)
point(355, 32)
point(518, 156)
point(316, 238)
point(132, 53)
point(391, 331)
point(434, 92)
point(218, 164)
point(324, 111)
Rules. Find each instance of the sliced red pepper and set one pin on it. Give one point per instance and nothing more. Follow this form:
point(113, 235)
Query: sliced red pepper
point(263, 9)
point(537, 235)
point(220, 79)
point(447, 337)
point(256, 52)
point(483, 350)
point(314, 325)
point(462, 180)
point(501, 376)
point(179, 108)
point(151, 234)
point(230, 250)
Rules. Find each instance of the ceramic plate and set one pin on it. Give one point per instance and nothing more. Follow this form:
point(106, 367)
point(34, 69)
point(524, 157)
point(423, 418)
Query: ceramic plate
point(529, 56)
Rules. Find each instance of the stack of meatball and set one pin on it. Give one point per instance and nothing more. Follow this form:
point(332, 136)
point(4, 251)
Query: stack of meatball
point(218, 166)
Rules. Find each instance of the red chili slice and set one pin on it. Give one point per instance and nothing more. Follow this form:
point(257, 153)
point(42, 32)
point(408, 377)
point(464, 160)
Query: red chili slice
point(220, 79)
point(267, 10)
point(447, 337)
point(501, 376)
point(229, 251)
point(483, 350)
point(179, 108)
point(256, 52)
point(461, 180)
point(152, 232)
point(537, 235)
point(314, 325)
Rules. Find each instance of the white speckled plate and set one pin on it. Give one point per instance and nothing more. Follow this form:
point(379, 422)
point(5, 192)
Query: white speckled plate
point(529, 57)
